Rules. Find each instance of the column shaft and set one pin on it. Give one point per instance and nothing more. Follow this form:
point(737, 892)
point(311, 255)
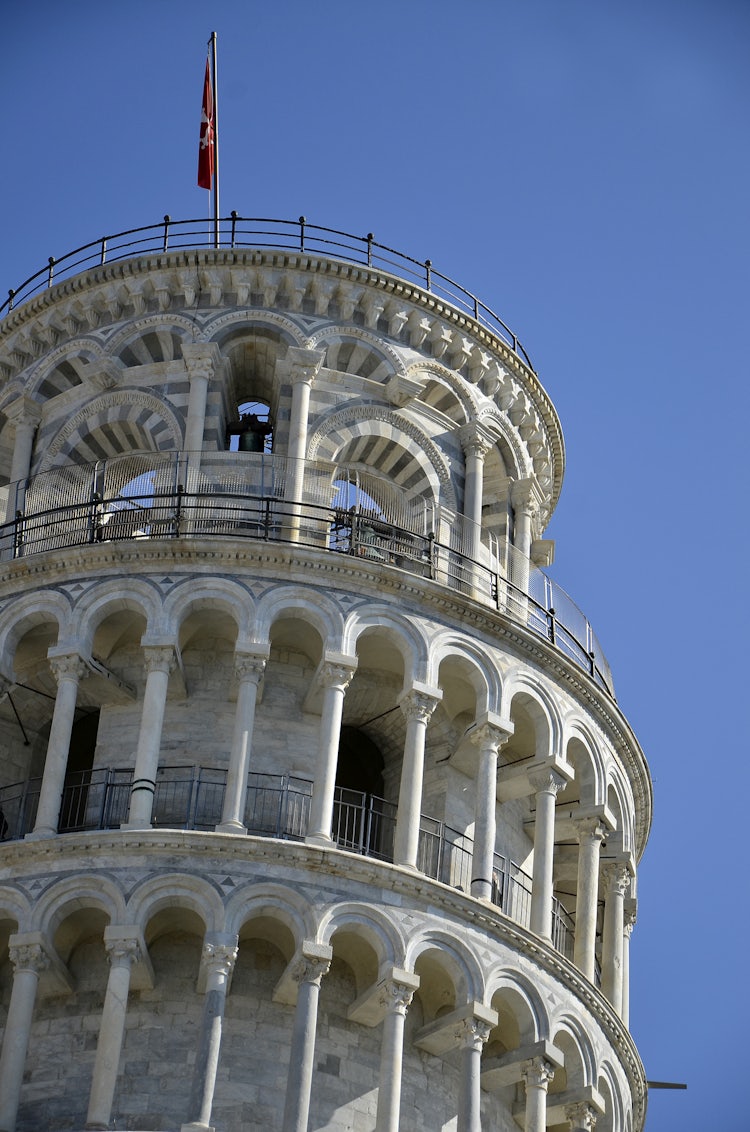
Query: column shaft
point(159, 662)
point(28, 961)
point(590, 836)
point(250, 671)
point(302, 1049)
point(537, 1075)
point(391, 1059)
point(418, 708)
point(617, 878)
point(220, 959)
point(547, 784)
point(336, 679)
point(68, 671)
point(488, 739)
point(122, 953)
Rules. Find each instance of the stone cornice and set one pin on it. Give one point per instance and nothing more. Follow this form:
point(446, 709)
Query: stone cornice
point(161, 277)
point(322, 568)
point(26, 859)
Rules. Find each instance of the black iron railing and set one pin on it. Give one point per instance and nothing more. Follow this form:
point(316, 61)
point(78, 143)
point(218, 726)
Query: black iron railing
point(190, 797)
point(264, 233)
point(81, 514)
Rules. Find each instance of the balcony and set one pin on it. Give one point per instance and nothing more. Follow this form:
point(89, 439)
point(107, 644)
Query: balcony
point(156, 496)
point(278, 806)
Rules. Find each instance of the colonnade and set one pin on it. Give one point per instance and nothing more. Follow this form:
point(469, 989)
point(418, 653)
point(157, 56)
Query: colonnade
point(417, 704)
point(465, 1030)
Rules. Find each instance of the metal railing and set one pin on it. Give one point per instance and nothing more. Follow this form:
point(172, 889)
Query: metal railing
point(264, 233)
point(144, 497)
point(190, 797)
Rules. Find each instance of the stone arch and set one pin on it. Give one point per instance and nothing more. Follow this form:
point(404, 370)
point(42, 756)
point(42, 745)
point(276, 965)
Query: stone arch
point(519, 997)
point(612, 1120)
point(381, 932)
point(518, 464)
point(147, 422)
point(272, 901)
point(458, 962)
point(569, 1035)
point(177, 890)
point(28, 612)
point(522, 691)
point(227, 595)
point(401, 632)
point(82, 892)
point(361, 941)
point(133, 595)
point(583, 754)
point(61, 369)
point(226, 327)
point(15, 907)
point(476, 667)
point(618, 800)
point(364, 435)
point(179, 327)
point(316, 609)
point(466, 401)
point(356, 351)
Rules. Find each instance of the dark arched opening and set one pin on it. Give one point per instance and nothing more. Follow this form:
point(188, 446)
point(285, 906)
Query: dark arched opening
point(363, 821)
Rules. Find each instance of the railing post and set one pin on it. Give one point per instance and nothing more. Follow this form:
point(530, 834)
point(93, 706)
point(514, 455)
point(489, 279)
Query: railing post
point(178, 510)
point(11, 297)
point(167, 220)
point(302, 222)
point(103, 255)
point(552, 626)
point(428, 274)
point(370, 238)
point(234, 225)
point(17, 534)
point(50, 270)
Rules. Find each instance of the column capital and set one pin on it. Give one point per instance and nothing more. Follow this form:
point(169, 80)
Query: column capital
point(68, 666)
point(27, 956)
point(395, 996)
point(159, 658)
point(303, 364)
point(419, 703)
point(537, 1073)
point(525, 495)
point(24, 411)
point(546, 780)
point(617, 876)
point(123, 951)
point(472, 1033)
point(589, 828)
point(310, 969)
point(582, 1116)
point(476, 439)
point(249, 667)
point(630, 917)
point(489, 736)
point(219, 958)
point(202, 359)
point(333, 674)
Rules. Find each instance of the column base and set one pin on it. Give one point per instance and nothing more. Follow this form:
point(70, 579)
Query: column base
point(235, 827)
point(196, 1126)
point(40, 835)
point(135, 826)
point(320, 840)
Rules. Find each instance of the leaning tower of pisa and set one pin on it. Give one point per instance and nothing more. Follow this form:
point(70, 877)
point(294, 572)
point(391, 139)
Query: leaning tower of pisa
point(317, 808)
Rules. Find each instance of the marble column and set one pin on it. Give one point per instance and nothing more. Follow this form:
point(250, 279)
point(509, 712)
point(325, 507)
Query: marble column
point(28, 960)
point(472, 1035)
point(476, 443)
point(417, 706)
point(629, 924)
point(335, 679)
point(69, 670)
point(616, 880)
point(537, 1074)
point(580, 1116)
point(546, 784)
point(488, 739)
point(202, 360)
point(159, 662)
point(525, 508)
point(218, 961)
point(590, 833)
point(25, 414)
point(396, 997)
point(122, 954)
point(249, 669)
point(308, 975)
point(303, 367)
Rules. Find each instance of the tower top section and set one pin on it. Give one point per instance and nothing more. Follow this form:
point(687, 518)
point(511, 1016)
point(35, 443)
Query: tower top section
point(310, 270)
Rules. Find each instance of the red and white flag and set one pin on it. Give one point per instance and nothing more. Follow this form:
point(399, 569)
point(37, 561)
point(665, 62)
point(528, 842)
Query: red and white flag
point(206, 148)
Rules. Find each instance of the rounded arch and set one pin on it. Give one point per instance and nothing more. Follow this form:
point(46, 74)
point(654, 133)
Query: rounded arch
point(536, 717)
point(144, 423)
point(406, 637)
point(28, 613)
point(314, 608)
point(569, 1035)
point(613, 1118)
point(512, 993)
point(134, 595)
point(444, 390)
point(177, 891)
point(583, 754)
point(457, 960)
point(273, 901)
point(97, 892)
point(620, 804)
point(378, 929)
point(15, 907)
point(475, 665)
point(178, 327)
point(227, 329)
point(194, 594)
point(355, 350)
point(64, 368)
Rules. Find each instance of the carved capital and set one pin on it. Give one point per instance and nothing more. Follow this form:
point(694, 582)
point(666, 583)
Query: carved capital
point(219, 958)
point(589, 829)
point(28, 957)
point(525, 497)
point(69, 667)
point(303, 364)
point(488, 737)
point(472, 1033)
point(310, 969)
point(122, 952)
point(335, 675)
point(581, 1116)
point(24, 412)
point(546, 781)
point(395, 996)
point(475, 440)
point(537, 1073)
point(159, 658)
point(249, 667)
point(617, 878)
point(418, 705)
point(202, 359)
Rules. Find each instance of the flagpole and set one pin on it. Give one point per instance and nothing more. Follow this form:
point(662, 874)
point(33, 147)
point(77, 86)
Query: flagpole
point(214, 88)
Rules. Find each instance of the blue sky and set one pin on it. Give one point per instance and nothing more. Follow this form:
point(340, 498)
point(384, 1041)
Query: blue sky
point(583, 166)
